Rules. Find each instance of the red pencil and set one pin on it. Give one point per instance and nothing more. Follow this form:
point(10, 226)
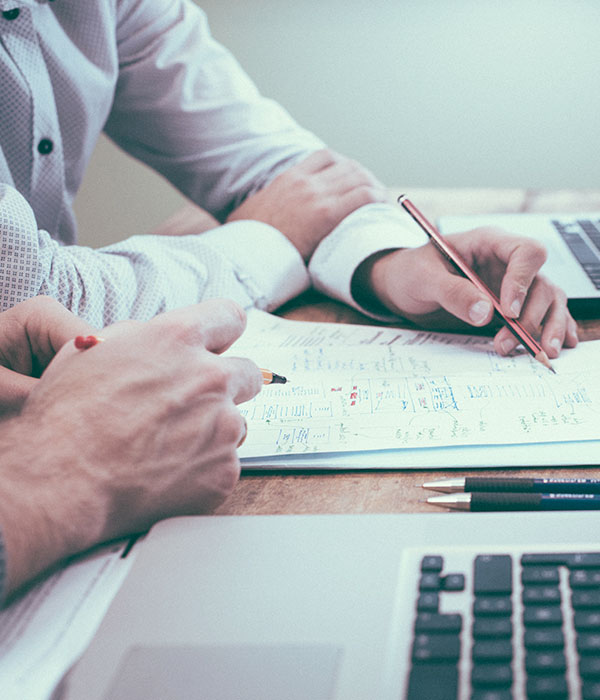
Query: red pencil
point(451, 254)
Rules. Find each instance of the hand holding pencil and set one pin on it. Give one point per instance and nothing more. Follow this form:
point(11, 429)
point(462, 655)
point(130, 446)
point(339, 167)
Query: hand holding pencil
point(421, 285)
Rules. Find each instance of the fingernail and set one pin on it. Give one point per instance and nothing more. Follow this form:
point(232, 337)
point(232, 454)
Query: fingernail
point(555, 344)
point(479, 312)
point(508, 345)
point(573, 331)
point(515, 308)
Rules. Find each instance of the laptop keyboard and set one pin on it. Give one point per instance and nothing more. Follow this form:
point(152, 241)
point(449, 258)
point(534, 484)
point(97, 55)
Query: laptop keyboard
point(583, 238)
point(498, 625)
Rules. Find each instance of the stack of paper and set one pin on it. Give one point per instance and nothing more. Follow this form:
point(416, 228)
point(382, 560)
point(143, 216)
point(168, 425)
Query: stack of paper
point(365, 396)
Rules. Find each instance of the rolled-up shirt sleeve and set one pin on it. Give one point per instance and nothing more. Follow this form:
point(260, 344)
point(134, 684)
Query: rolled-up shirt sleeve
point(184, 106)
point(144, 275)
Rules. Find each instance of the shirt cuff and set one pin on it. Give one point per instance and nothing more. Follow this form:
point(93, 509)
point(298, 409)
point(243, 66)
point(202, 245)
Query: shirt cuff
point(266, 263)
point(368, 230)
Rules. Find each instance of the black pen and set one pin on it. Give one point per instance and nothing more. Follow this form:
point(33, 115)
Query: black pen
point(517, 501)
point(514, 485)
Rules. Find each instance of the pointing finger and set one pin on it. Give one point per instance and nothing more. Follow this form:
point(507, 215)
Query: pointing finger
point(215, 324)
point(523, 258)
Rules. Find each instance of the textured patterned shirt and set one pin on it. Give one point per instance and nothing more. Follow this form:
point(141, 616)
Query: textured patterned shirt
point(150, 75)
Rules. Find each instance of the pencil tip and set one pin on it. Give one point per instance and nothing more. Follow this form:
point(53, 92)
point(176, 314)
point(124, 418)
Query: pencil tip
point(543, 358)
point(278, 379)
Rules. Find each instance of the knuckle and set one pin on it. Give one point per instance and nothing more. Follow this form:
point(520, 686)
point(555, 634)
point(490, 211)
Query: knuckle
point(216, 376)
point(368, 195)
point(236, 311)
point(330, 155)
point(229, 474)
point(128, 325)
point(455, 288)
point(325, 212)
point(297, 179)
point(224, 480)
point(228, 425)
point(537, 251)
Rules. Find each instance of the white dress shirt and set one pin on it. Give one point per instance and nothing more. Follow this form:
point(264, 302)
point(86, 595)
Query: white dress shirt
point(150, 75)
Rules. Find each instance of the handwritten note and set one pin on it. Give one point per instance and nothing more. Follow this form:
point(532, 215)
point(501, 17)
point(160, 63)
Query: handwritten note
point(356, 388)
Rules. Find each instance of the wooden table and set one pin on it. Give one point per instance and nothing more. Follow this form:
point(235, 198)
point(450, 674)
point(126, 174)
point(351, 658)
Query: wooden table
point(395, 491)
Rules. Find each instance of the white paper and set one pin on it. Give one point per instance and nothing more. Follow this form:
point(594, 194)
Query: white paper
point(46, 629)
point(357, 389)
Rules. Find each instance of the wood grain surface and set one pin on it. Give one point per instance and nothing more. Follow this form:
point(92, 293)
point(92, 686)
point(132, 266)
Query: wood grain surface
point(395, 491)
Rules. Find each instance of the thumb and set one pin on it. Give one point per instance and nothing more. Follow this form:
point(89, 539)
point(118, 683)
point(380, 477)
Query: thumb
point(462, 299)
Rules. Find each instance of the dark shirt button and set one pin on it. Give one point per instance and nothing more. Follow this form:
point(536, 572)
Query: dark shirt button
point(45, 146)
point(11, 14)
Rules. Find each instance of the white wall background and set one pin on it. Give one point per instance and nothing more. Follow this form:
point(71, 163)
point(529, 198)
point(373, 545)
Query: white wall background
point(424, 92)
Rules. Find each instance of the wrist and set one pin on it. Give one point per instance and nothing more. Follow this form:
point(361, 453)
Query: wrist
point(369, 287)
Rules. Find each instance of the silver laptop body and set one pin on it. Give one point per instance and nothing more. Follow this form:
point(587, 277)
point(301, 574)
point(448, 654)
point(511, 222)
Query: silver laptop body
point(571, 239)
point(303, 607)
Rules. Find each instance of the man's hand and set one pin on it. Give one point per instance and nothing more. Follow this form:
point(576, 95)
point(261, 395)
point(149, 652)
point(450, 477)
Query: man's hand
point(134, 429)
point(31, 333)
point(420, 285)
point(310, 199)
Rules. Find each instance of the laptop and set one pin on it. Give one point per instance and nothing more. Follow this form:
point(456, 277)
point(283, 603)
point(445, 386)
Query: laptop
point(573, 245)
point(475, 606)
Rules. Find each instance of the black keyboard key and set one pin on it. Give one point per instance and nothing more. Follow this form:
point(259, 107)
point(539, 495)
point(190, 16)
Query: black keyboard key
point(491, 675)
point(492, 574)
point(432, 563)
point(436, 647)
point(592, 231)
point(544, 638)
point(582, 599)
point(574, 560)
point(586, 620)
point(433, 681)
point(492, 605)
point(580, 249)
point(453, 582)
point(428, 602)
point(546, 662)
point(589, 666)
point(542, 615)
point(492, 650)
point(495, 694)
point(540, 574)
point(433, 622)
point(590, 690)
point(541, 595)
point(430, 582)
point(584, 560)
point(492, 627)
point(584, 578)
point(547, 688)
point(588, 643)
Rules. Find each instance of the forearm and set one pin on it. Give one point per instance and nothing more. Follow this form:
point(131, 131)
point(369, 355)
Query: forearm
point(39, 525)
point(145, 275)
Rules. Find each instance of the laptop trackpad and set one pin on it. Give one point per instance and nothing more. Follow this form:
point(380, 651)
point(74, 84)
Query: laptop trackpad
point(249, 672)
